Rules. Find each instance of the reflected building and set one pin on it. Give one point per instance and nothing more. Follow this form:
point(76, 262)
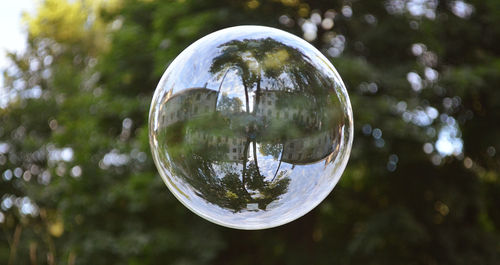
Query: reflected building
point(276, 105)
point(308, 149)
point(197, 103)
point(230, 148)
point(188, 104)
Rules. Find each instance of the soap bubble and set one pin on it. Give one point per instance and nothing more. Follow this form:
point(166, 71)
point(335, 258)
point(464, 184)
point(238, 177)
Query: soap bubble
point(250, 127)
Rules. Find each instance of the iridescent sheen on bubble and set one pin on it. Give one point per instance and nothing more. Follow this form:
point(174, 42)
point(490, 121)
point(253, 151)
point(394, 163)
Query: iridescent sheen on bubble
point(250, 127)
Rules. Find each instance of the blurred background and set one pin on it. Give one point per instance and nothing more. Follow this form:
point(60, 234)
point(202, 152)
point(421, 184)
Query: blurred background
point(77, 181)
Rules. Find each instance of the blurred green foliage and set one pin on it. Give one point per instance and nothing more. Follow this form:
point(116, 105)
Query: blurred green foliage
point(78, 184)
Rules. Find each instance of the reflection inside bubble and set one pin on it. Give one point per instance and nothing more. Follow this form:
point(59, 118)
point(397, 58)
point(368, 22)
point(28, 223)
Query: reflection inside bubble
point(251, 129)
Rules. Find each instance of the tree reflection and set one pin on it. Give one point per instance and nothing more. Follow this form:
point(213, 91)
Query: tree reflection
point(215, 144)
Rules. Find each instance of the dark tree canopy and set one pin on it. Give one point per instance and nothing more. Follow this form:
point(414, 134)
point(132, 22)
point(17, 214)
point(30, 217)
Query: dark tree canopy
point(78, 185)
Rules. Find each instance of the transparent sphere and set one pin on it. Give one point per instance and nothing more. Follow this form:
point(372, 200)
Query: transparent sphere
point(250, 127)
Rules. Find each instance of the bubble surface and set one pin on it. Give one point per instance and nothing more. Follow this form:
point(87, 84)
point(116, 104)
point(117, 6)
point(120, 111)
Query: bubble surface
point(250, 127)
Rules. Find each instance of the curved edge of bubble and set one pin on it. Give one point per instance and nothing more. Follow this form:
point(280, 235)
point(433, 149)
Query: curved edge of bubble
point(342, 166)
